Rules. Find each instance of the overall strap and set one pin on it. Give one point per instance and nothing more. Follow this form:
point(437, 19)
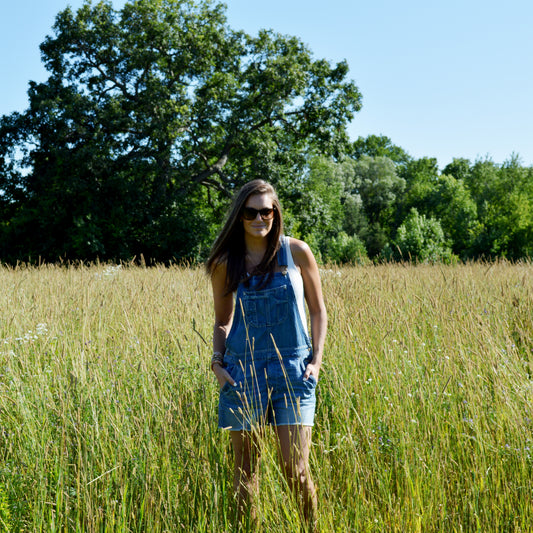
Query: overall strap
point(282, 254)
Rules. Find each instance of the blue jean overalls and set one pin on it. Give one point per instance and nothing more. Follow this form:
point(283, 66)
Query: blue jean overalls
point(267, 351)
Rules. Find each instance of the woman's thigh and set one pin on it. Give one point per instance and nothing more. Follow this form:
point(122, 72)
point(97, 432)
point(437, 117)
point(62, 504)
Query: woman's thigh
point(294, 444)
point(245, 450)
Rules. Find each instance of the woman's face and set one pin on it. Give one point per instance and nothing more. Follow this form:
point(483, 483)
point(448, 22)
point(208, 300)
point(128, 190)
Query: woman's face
point(258, 227)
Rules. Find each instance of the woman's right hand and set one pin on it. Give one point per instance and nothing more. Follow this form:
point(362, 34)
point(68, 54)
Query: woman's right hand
point(222, 376)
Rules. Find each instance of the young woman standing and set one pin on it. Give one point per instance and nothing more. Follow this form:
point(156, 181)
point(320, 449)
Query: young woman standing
point(264, 360)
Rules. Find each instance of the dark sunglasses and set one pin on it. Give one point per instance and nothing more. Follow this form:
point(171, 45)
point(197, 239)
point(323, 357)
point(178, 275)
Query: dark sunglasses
point(250, 213)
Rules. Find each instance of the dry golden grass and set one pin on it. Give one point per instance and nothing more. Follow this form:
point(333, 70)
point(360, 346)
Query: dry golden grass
point(108, 409)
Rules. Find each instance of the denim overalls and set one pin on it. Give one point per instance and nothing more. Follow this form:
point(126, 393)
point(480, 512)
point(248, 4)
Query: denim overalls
point(267, 351)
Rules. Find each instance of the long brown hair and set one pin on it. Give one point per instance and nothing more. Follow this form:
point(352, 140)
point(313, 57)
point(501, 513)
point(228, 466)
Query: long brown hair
point(229, 246)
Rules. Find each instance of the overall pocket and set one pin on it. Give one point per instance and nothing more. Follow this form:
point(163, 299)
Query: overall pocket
point(266, 308)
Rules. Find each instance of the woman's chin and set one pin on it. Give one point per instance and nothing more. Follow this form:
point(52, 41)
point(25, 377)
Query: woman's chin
point(258, 232)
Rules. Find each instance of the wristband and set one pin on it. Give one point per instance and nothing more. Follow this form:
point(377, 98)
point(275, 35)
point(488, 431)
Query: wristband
point(217, 359)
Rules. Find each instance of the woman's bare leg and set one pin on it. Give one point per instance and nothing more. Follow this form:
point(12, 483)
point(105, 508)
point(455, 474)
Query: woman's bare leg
point(294, 443)
point(245, 483)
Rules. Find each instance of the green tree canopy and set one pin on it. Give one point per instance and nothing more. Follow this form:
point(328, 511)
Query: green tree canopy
point(376, 180)
point(379, 146)
point(150, 117)
point(421, 239)
point(504, 197)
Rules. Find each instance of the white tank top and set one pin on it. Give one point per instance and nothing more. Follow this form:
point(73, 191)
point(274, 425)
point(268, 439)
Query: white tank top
point(297, 283)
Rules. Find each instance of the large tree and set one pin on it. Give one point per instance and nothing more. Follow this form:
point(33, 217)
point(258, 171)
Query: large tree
point(150, 117)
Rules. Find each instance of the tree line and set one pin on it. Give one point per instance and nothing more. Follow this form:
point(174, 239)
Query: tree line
point(154, 114)
point(379, 203)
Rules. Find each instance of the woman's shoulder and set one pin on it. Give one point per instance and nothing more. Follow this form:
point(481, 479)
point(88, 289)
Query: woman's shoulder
point(300, 251)
point(219, 267)
point(297, 245)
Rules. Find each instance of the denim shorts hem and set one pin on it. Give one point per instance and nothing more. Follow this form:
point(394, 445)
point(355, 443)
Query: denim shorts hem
point(252, 427)
point(294, 424)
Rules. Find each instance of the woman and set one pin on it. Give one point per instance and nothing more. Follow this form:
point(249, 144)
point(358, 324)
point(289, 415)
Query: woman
point(263, 358)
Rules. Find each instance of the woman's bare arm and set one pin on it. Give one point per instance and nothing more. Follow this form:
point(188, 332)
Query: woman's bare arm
point(223, 318)
point(305, 260)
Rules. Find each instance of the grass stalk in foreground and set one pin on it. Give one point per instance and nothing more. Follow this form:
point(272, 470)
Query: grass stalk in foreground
point(108, 409)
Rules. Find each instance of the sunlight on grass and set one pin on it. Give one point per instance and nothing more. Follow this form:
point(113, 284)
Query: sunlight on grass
point(108, 407)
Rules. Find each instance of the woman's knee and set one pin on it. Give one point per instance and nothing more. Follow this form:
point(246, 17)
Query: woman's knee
point(296, 471)
point(243, 469)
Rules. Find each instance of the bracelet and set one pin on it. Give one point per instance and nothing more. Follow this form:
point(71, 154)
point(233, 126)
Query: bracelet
point(217, 359)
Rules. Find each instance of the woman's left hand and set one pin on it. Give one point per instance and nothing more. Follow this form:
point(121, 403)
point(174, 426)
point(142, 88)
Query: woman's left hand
point(311, 370)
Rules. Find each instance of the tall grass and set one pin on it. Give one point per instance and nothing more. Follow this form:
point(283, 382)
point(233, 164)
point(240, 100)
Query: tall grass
point(108, 408)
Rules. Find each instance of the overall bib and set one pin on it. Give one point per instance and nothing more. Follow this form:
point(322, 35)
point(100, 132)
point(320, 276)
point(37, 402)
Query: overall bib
point(267, 351)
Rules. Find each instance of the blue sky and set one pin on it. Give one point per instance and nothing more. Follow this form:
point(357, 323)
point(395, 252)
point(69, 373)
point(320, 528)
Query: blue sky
point(441, 78)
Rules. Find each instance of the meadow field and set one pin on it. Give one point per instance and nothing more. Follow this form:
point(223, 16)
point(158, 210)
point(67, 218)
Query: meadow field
point(108, 407)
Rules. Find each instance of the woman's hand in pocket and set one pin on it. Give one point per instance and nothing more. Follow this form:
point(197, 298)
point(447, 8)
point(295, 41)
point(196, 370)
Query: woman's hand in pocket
point(222, 376)
point(311, 370)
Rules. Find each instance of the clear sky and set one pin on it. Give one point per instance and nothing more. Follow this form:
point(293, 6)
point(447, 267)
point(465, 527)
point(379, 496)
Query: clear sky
point(441, 78)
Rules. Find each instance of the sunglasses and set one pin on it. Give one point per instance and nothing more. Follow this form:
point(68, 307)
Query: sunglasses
point(250, 213)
